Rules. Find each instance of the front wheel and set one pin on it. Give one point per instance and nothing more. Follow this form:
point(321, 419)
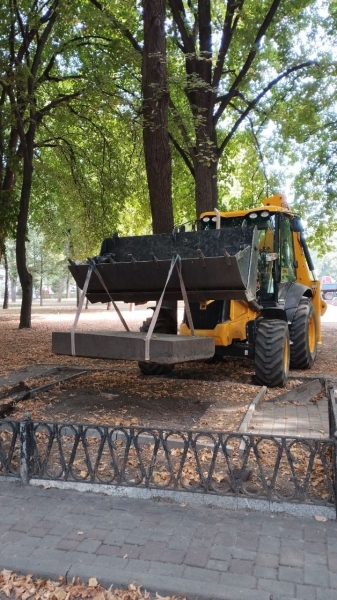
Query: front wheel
point(303, 335)
point(272, 353)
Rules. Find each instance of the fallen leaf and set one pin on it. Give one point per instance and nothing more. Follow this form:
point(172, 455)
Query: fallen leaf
point(93, 582)
point(320, 518)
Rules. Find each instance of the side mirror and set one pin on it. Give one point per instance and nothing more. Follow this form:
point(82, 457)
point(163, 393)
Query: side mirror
point(296, 225)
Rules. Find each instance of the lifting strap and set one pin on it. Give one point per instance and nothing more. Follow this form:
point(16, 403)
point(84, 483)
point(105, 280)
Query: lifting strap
point(91, 267)
point(175, 262)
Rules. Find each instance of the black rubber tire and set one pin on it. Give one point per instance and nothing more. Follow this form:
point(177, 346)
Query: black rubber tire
point(272, 353)
point(166, 323)
point(303, 336)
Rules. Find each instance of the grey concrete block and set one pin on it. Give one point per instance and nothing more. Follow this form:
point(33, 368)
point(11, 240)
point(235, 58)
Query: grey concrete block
point(306, 592)
point(282, 588)
point(265, 572)
point(316, 575)
point(239, 581)
point(238, 565)
point(197, 556)
point(197, 574)
point(293, 574)
point(127, 345)
point(221, 552)
point(217, 565)
point(158, 568)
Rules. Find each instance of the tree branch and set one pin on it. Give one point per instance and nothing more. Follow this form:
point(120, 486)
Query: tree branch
point(228, 30)
point(250, 58)
point(59, 100)
point(126, 32)
point(256, 100)
point(182, 154)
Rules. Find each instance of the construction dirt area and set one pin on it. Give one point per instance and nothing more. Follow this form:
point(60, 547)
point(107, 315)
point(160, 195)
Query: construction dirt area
point(198, 395)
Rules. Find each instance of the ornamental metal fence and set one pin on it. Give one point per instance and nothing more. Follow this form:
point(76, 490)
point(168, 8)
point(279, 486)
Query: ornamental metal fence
point(274, 468)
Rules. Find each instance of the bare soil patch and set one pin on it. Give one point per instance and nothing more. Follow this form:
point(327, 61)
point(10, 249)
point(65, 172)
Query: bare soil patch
point(199, 395)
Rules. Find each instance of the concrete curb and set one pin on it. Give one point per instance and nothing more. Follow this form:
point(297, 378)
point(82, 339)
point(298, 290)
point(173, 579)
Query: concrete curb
point(228, 502)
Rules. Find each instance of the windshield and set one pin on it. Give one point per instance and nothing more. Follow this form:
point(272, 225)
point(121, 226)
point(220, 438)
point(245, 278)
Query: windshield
point(264, 221)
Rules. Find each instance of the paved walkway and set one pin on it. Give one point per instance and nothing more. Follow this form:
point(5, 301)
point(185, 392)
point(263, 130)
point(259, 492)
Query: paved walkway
point(309, 420)
point(201, 552)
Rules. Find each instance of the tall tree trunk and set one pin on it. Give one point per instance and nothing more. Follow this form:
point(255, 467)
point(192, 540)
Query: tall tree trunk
point(155, 110)
point(5, 302)
point(26, 279)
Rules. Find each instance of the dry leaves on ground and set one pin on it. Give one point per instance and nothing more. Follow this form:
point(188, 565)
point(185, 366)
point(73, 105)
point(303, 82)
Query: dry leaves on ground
point(26, 587)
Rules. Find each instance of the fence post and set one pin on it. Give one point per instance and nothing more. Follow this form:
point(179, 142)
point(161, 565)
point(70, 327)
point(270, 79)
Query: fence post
point(25, 426)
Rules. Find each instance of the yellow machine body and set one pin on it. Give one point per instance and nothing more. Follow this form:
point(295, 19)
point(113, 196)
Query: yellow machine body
point(240, 313)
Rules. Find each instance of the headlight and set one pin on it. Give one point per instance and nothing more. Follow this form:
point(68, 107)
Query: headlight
point(265, 213)
point(205, 219)
point(252, 215)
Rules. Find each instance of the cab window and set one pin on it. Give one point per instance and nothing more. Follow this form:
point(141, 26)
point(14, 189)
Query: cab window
point(287, 258)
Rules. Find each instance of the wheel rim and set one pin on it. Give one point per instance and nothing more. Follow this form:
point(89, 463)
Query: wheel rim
point(312, 334)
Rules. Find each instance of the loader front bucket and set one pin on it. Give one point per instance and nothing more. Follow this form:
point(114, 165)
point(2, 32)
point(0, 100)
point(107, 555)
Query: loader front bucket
point(216, 264)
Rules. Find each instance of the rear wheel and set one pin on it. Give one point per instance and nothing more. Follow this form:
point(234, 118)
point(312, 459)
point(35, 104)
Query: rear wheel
point(166, 323)
point(303, 335)
point(272, 353)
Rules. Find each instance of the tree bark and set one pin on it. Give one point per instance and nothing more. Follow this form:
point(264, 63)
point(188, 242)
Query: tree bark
point(155, 109)
point(25, 277)
point(5, 302)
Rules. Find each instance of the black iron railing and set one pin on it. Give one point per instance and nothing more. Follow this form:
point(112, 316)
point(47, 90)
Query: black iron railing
point(247, 465)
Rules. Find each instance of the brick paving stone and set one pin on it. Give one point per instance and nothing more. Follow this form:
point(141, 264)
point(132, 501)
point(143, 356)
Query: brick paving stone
point(266, 560)
point(117, 536)
point(129, 550)
point(293, 574)
point(217, 565)
point(291, 557)
point(316, 575)
point(235, 580)
point(89, 546)
point(169, 570)
point(317, 559)
point(38, 532)
point(332, 562)
point(66, 545)
point(265, 572)
point(11, 536)
point(268, 544)
point(333, 580)
point(197, 574)
point(244, 554)
point(139, 566)
point(315, 534)
point(106, 550)
point(241, 566)
point(284, 588)
point(152, 550)
point(221, 552)
point(306, 592)
point(173, 556)
point(324, 594)
point(111, 562)
point(197, 556)
point(247, 542)
point(315, 548)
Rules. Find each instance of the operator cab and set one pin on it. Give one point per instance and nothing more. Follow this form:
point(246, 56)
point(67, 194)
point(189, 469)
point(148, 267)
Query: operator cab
point(276, 259)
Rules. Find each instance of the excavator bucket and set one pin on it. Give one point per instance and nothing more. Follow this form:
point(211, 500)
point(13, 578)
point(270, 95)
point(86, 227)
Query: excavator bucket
point(215, 264)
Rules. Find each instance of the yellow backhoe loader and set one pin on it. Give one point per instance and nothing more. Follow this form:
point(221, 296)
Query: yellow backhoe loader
point(249, 285)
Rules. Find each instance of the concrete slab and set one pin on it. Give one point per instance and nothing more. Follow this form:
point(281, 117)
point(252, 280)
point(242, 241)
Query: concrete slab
point(127, 345)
